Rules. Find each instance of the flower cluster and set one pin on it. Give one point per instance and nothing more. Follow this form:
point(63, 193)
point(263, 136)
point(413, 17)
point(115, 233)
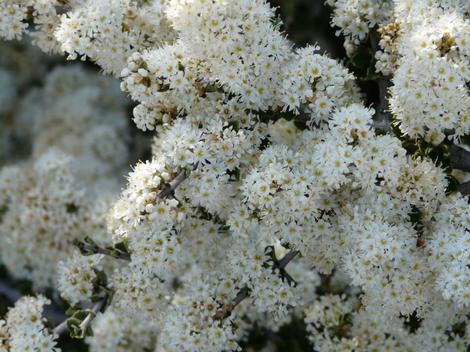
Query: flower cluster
point(355, 19)
point(269, 196)
point(76, 124)
point(21, 64)
point(450, 246)
point(341, 195)
point(24, 328)
point(109, 32)
point(433, 72)
point(46, 208)
point(76, 278)
point(14, 16)
point(426, 49)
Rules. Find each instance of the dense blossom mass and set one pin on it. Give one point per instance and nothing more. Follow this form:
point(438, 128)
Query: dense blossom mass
point(270, 197)
point(49, 200)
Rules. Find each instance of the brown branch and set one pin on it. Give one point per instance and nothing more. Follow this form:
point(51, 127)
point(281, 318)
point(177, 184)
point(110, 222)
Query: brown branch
point(226, 310)
point(89, 247)
point(287, 259)
point(111, 253)
point(169, 189)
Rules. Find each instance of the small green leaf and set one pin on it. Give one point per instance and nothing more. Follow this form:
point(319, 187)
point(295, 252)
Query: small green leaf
point(122, 246)
point(72, 310)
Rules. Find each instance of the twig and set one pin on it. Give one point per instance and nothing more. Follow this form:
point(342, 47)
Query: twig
point(226, 310)
point(92, 314)
point(169, 189)
point(89, 247)
point(63, 327)
point(114, 254)
point(286, 259)
point(95, 249)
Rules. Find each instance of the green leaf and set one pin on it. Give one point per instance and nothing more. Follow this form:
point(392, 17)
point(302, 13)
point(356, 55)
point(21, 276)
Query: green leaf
point(122, 246)
point(87, 247)
point(72, 310)
point(99, 283)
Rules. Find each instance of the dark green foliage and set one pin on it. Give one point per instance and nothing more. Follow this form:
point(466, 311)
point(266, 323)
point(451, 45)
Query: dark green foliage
point(291, 337)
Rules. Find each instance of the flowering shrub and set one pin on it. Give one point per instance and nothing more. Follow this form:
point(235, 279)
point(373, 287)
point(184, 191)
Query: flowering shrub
point(275, 195)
